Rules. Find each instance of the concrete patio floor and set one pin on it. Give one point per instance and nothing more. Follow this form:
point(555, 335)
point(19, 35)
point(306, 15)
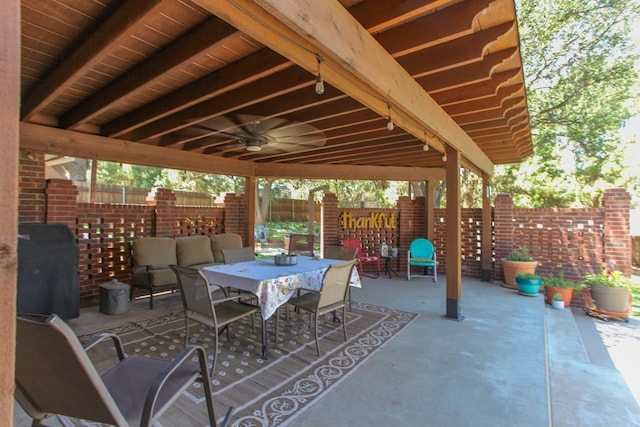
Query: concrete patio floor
point(512, 361)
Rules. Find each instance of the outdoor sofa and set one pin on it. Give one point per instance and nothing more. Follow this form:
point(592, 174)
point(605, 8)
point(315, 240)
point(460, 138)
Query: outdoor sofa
point(152, 256)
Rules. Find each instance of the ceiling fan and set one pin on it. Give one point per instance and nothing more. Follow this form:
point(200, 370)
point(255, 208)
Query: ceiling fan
point(256, 133)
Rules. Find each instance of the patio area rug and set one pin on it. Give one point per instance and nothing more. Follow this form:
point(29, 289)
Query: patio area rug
point(263, 392)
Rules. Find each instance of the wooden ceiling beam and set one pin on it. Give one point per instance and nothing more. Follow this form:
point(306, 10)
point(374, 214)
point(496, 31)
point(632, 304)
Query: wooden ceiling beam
point(377, 16)
point(231, 77)
point(285, 81)
point(114, 31)
point(347, 172)
point(69, 143)
point(182, 51)
point(447, 24)
point(466, 74)
point(485, 103)
point(452, 54)
point(474, 90)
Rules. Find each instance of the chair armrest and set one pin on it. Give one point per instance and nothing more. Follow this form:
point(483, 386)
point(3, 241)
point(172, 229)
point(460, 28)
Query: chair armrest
point(117, 343)
point(183, 357)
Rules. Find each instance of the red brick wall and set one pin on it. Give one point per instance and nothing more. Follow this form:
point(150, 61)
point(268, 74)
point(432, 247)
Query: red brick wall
point(574, 241)
point(31, 183)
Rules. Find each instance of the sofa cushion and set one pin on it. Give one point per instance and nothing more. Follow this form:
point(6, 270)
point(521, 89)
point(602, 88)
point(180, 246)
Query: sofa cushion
point(156, 252)
point(224, 241)
point(194, 250)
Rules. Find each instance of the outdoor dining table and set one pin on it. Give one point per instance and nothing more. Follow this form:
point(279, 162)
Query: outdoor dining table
point(273, 284)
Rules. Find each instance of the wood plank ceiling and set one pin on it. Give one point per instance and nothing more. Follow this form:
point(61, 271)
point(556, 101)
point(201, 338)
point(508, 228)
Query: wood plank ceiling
point(169, 83)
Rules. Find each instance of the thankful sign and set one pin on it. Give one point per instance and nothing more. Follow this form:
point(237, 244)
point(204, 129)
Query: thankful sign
point(376, 220)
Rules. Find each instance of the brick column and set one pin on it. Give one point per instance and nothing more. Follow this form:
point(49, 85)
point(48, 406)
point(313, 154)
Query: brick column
point(503, 231)
point(235, 212)
point(165, 217)
point(330, 220)
point(617, 240)
point(62, 204)
point(407, 218)
point(31, 185)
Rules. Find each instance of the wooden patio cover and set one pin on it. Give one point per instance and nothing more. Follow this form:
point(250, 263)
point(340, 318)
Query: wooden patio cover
point(171, 83)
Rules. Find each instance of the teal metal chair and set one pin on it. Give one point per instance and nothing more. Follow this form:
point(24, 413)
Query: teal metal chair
point(422, 254)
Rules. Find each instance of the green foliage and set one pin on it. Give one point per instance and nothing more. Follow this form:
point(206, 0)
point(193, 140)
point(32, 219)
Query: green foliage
point(560, 282)
point(528, 276)
point(149, 177)
point(608, 278)
point(557, 296)
point(521, 254)
point(579, 66)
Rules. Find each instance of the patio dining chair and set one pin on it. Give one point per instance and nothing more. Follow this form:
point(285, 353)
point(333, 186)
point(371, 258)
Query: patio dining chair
point(422, 254)
point(55, 376)
point(363, 258)
point(201, 307)
point(232, 256)
point(301, 244)
point(331, 297)
point(345, 253)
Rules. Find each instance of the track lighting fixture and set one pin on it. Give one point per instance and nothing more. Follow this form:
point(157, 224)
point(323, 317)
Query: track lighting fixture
point(389, 119)
point(319, 80)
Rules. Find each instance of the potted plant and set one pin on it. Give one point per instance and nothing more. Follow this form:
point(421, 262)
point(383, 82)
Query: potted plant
point(610, 290)
point(559, 285)
point(557, 302)
point(528, 283)
point(517, 261)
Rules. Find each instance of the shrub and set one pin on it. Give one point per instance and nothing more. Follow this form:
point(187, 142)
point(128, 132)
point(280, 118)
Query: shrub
point(521, 254)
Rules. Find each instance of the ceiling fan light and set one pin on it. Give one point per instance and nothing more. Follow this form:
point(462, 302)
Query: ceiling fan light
point(253, 145)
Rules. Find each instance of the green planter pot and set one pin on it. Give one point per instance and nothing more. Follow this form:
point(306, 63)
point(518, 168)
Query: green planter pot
point(529, 287)
point(615, 300)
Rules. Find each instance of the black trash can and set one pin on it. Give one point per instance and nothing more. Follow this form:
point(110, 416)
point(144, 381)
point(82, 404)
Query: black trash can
point(114, 297)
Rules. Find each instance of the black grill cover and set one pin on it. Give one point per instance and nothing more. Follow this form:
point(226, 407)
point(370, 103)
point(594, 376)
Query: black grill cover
point(48, 270)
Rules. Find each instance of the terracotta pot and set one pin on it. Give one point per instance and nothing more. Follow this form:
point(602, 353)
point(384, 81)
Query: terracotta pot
point(615, 300)
point(567, 294)
point(511, 268)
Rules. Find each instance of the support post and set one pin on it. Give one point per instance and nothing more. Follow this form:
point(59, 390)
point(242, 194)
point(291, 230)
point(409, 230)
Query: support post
point(486, 233)
point(454, 236)
point(9, 149)
point(251, 193)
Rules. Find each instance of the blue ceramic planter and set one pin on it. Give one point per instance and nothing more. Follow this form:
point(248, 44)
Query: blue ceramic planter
point(529, 287)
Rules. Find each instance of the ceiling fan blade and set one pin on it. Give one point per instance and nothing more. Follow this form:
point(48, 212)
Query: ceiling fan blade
point(294, 129)
point(256, 124)
point(310, 140)
point(226, 125)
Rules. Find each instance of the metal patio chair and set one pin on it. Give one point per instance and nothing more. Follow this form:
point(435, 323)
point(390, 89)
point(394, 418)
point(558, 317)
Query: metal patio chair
point(55, 376)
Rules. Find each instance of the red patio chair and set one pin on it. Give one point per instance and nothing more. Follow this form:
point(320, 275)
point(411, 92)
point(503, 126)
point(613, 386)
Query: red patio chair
point(362, 257)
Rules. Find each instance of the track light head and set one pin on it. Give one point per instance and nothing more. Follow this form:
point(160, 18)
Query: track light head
point(319, 85)
point(319, 79)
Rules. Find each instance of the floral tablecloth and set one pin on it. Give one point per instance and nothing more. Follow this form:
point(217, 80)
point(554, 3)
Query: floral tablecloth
point(273, 284)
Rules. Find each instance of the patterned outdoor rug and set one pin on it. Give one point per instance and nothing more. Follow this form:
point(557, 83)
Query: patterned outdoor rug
point(263, 392)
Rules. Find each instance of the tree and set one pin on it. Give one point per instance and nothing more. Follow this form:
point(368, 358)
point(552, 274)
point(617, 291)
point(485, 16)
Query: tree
point(578, 59)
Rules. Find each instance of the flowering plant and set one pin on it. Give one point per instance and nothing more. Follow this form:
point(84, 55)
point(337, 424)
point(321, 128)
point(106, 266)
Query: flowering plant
point(609, 278)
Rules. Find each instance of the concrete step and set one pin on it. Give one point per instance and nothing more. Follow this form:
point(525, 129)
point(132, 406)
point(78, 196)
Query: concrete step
point(585, 388)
